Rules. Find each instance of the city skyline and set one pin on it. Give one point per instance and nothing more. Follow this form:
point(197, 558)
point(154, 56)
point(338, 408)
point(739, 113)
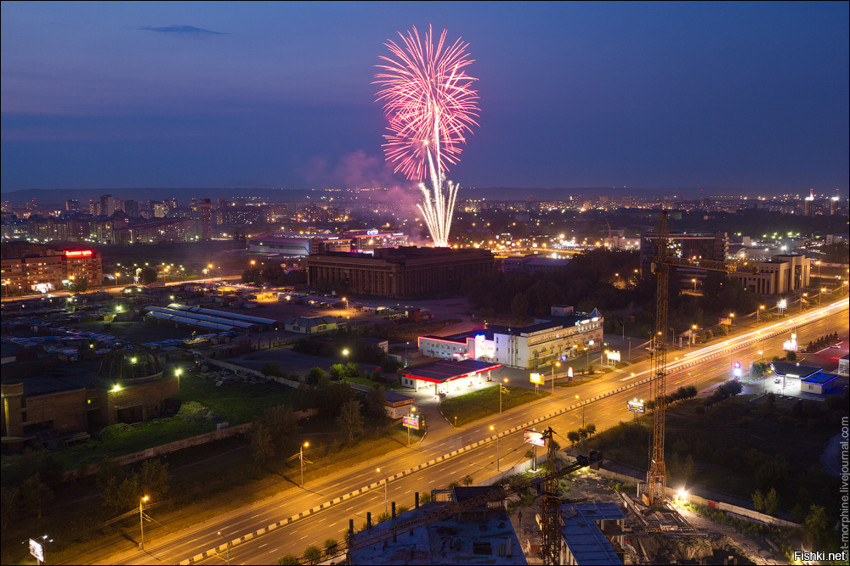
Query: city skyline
point(743, 97)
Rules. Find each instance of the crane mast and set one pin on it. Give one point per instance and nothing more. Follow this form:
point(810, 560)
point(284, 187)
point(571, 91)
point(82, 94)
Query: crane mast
point(656, 476)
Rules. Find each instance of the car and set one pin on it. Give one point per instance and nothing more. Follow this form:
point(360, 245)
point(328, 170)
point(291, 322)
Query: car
point(777, 380)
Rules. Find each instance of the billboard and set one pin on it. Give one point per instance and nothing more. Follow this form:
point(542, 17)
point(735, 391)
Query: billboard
point(534, 438)
point(537, 379)
point(613, 356)
point(37, 550)
point(410, 421)
point(790, 345)
point(78, 253)
point(636, 406)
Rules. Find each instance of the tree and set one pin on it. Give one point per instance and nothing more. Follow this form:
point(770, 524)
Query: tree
point(350, 420)
point(154, 478)
point(313, 554)
point(815, 527)
point(35, 494)
point(80, 285)
point(315, 374)
point(262, 444)
point(282, 425)
point(771, 502)
point(467, 480)
point(574, 437)
point(121, 494)
point(287, 560)
point(519, 306)
point(337, 372)
point(147, 275)
point(591, 429)
point(9, 501)
point(330, 546)
point(758, 500)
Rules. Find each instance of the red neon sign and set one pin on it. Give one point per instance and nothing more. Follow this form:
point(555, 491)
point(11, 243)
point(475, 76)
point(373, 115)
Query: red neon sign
point(78, 253)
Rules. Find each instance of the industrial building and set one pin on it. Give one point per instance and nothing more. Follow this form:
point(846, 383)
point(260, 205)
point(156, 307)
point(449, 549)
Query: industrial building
point(562, 336)
point(399, 272)
point(291, 244)
point(209, 319)
point(809, 379)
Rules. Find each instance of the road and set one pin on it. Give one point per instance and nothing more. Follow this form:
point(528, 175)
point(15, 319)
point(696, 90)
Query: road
point(701, 367)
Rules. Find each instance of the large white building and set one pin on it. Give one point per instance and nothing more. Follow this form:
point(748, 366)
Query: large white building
point(562, 336)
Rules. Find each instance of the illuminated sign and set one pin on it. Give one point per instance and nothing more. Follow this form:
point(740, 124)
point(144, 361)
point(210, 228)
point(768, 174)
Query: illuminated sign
point(78, 253)
point(737, 371)
point(534, 438)
point(570, 372)
point(790, 345)
point(410, 421)
point(613, 356)
point(537, 379)
point(37, 550)
point(636, 406)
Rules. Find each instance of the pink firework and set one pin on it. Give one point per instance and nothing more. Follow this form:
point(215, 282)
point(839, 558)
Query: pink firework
point(428, 101)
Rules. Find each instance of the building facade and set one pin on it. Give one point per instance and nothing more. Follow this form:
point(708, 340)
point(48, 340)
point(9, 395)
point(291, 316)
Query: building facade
point(689, 246)
point(779, 275)
point(52, 270)
point(399, 272)
point(559, 337)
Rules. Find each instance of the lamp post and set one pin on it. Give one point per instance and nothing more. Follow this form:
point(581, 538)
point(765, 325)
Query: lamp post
point(502, 389)
point(822, 291)
point(301, 457)
point(558, 364)
point(731, 318)
point(228, 547)
point(758, 311)
point(344, 355)
point(498, 454)
point(142, 521)
point(410, 414)
point(386, 482)
point(694, 281)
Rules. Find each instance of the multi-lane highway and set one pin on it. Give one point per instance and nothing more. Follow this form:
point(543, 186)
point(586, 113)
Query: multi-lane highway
point(700, 367)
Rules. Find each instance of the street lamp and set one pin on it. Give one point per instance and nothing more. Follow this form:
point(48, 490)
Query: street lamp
point(142, 521)
point(694, 281)
point(758, 310)
point(558, 364)
point(822, 291)
point(386, 483)
point(582, 410)
point(301, 457)
point(731, 318)
point(498, 467)
point(228, 547)
point(502, 389)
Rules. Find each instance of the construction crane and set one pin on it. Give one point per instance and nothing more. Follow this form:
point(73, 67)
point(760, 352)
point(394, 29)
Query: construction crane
point(551, 534)
point(656, 475)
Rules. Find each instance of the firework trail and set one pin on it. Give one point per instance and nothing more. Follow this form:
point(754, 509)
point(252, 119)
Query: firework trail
point(430, 106)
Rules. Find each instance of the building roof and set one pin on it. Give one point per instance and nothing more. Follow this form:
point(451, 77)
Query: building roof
point(309, 321)
point(448, 370)
point(791, 369)
point(821, 378)
point(582, 536)
point(483, 539)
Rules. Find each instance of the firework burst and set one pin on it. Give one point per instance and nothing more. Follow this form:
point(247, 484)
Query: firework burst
point(430, 106)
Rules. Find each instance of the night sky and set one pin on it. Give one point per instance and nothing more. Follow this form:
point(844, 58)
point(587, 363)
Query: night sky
point(722, 96)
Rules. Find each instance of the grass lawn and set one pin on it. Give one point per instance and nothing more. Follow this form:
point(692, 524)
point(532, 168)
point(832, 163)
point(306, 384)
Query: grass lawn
point(484, 402)
point(238, 402)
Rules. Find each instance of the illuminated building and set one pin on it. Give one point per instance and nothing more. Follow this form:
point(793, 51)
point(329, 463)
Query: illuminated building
point(41, 269)
point(562, 336)
point(779, 275)
point(399, 272)
point(700, 246)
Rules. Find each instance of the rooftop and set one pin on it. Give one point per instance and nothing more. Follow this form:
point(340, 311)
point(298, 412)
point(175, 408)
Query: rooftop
point(791, 369)
point(582, 536)
point(481, 539)
point(446, 370)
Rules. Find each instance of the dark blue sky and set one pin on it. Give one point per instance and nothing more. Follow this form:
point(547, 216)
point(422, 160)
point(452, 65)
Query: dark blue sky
point(661, 95)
